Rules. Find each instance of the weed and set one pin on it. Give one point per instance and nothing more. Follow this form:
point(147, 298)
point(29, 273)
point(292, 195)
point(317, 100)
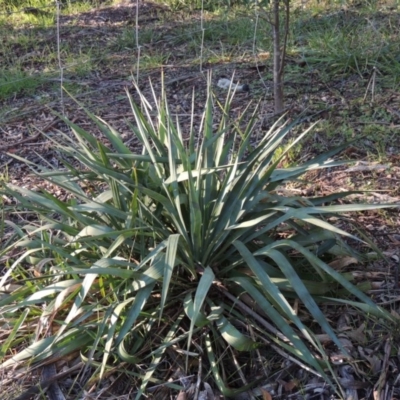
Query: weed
point(13, 83)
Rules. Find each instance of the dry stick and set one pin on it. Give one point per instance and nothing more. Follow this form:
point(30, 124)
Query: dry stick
point(240, 372)
point(383, 377)
point(138, 47)
point(371, 83)
point(248, 310)
point(202, 35)
point(162, 385)
point(46, 383)
point(257, 17)
point(28, 139)
point(253, 337)
point(196, 393)
point(283, 55)
point(270, 328)
point(59, 58)
point(266, 87)
point(53, 392)
point(282, 353)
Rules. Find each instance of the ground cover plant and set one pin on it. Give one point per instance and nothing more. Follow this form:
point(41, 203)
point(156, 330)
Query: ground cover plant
point(341, 69)
point(169, 247)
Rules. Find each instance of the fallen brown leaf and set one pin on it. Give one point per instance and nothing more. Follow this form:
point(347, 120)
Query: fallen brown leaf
point(181, 395)
point(266, 395)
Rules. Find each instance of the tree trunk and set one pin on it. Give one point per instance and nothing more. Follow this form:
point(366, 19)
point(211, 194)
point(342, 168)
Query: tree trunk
point(278, 61)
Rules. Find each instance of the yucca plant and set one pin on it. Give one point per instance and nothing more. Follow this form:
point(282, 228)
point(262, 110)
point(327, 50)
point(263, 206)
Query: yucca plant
point(187, 248)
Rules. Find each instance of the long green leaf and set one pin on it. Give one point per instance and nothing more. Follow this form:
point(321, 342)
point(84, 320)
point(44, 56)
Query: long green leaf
point(170, 261)
point(202, 290)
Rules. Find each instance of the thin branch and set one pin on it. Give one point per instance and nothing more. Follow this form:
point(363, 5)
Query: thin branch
point(46, 383)
point(283, 55)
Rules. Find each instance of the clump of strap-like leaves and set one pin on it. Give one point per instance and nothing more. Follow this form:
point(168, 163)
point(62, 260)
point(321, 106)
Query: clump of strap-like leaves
point(189, 247)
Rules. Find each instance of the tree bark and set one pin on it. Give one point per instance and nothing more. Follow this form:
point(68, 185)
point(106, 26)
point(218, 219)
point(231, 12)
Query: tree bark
point(278, 87)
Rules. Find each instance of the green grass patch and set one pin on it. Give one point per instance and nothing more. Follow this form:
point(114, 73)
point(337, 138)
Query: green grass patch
point(349, 41)
point(17, 82)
